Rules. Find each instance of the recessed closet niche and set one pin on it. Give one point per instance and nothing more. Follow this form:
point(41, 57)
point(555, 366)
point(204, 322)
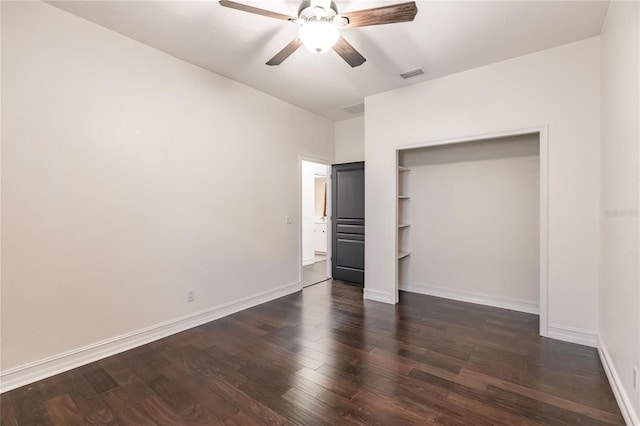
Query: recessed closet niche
point(468, 221)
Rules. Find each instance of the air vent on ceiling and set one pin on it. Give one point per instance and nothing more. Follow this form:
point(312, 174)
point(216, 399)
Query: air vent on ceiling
point(412, 73)
point(354, 109)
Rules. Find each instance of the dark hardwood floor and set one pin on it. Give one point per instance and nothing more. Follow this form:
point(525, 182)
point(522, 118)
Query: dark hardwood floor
point(324, 356)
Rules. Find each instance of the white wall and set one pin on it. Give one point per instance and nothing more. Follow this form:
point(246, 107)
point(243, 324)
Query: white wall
point(620, 183)
point(474, 215)
point(349, 140)
point(558, 88)
point(128, 177)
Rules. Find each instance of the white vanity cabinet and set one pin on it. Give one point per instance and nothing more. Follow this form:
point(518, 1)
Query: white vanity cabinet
point(320, 235)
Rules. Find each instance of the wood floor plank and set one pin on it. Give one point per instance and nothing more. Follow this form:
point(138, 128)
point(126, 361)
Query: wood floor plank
point(89, 403)
point(387, 411)
point(29, 406)
point(545, 413)
point(98, 378)
point(160, 412)
point(129, 382)
point(7, 410)
point(326, 356)
point(63, 411)
point(252, 407)
point(343, 387)
point(307, 402)
point(542, 396)
point(181, 401)
point(490, 414)
point(241, 419)
point(196, 391)
point(127, 412)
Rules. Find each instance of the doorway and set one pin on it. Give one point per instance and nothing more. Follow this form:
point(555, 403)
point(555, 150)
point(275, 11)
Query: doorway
point(315, 198)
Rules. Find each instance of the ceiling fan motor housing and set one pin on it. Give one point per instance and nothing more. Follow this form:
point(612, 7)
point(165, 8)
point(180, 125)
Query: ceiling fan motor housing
point(317, 10)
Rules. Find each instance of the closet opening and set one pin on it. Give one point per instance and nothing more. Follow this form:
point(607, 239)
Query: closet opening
point(471, 221)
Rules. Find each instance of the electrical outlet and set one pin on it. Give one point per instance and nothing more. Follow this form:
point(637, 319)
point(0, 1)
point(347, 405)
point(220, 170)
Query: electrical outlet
point(635, 379)
point(191, 295)
point(287, 220)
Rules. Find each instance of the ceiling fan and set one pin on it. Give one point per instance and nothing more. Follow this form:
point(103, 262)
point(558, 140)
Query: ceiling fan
point(319, 25)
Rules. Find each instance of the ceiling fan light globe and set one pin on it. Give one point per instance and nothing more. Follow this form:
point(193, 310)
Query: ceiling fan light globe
point(318, 36)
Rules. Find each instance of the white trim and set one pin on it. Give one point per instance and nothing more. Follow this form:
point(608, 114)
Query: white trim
point(472, 297)
point(573, 335)
point(543, 132)
point(396, 218)
point(544, 231)
point(622, 398)
point(378, 296)
point(329, 222)
point(474, 138)
point(308, 261)
point(41, 369)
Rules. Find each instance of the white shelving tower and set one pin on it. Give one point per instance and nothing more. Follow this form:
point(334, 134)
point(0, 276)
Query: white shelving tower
point(403, 224)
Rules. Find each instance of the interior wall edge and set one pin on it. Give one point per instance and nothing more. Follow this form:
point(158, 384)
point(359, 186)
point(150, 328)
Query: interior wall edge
point(32, 372)
point(513, 304)
point(622, 398)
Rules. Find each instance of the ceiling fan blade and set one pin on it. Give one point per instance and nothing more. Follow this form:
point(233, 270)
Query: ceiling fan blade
point(403, 12)
point(348, 53)
point(256, 10)
point(285, 53)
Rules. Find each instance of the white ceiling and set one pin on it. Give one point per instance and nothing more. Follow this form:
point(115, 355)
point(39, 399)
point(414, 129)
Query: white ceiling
point(446, 37)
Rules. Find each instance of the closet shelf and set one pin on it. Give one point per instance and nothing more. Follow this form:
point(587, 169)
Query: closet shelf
point(403, 254)
point(403, 169)
point(404, 225)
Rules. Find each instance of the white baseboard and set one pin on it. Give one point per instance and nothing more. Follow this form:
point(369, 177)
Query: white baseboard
point(378, 296)
point(472, 297)
point(622, 398)
point(572, 335)
point(41, 369)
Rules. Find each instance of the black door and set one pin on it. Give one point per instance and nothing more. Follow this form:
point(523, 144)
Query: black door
point(347, 249)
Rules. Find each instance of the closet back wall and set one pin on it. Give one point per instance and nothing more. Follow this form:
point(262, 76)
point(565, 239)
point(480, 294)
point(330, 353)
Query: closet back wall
point(475, 204)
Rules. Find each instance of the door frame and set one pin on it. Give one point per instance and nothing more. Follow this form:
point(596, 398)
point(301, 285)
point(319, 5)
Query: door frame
point(327, 163)
point(542, 132)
